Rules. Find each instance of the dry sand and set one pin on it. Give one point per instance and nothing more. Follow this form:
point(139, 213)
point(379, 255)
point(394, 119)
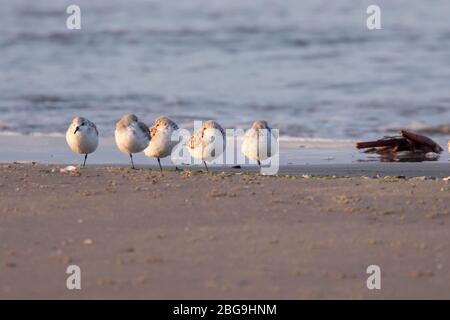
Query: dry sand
point(138, 234)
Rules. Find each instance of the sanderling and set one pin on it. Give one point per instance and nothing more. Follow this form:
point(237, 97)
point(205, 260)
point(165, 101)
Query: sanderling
point(82, 137)
point(161, 143)
point(257, 142)
point(208, 142)
point(131, 135)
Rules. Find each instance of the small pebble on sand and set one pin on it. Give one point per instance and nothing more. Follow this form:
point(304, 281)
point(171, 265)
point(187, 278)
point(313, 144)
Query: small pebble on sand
point(88, 242)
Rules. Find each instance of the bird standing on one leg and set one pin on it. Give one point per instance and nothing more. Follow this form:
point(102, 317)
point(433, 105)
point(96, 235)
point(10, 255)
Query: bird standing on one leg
point(161, 143)
point(208, 142)
point(132, 136)
point(257, 142)
point(82, 137)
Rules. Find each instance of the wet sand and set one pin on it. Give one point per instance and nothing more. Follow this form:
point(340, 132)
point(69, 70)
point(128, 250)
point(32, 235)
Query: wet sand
point(320, 155)
point(190, 234)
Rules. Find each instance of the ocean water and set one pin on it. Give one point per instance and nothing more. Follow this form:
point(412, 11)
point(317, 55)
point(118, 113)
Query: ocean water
point(311, 67)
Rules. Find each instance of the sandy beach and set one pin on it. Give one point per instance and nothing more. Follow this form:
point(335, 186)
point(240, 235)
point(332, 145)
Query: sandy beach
point(191, 234)
point(355, 93)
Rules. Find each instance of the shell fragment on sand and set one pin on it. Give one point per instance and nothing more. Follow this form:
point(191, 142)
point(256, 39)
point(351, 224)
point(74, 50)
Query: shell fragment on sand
point(68, 169)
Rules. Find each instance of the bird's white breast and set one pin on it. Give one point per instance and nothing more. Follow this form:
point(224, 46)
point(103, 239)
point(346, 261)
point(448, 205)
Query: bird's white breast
point(207, 147)
point(161, 144)
point(82, 142)
point(131, 139)
point(257, 146)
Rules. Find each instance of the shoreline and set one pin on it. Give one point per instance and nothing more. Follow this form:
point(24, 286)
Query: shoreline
point(190, 234)
point(357, 170)
point(324, 158)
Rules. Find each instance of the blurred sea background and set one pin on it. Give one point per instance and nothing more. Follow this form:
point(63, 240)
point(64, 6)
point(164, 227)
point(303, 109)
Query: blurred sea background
point(311, 68)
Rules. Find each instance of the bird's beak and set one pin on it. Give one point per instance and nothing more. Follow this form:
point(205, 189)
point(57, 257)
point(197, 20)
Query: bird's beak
point(76, 130)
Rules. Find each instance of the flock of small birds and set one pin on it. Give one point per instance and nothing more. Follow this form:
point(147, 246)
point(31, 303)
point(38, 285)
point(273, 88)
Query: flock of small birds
point(133, 136)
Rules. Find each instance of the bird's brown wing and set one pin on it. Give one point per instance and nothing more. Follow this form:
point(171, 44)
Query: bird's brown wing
point(153, 131)
point(145, 129)
point(194, 140)
point(95, 128)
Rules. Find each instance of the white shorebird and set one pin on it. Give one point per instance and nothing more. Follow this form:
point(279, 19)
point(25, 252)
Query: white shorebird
point(257, 142)
point(131, 135)
point(208, 142)
point(161, 143)
point(82, 137)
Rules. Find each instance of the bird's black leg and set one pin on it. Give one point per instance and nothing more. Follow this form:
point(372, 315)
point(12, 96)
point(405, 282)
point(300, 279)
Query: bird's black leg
point(132, 163)
point(159, 162)
point(85, 157)
point(259, 163)
point(205, 166)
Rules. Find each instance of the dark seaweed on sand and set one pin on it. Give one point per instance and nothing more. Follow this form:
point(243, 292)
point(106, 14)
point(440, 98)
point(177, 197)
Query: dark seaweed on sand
point(408, 146)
